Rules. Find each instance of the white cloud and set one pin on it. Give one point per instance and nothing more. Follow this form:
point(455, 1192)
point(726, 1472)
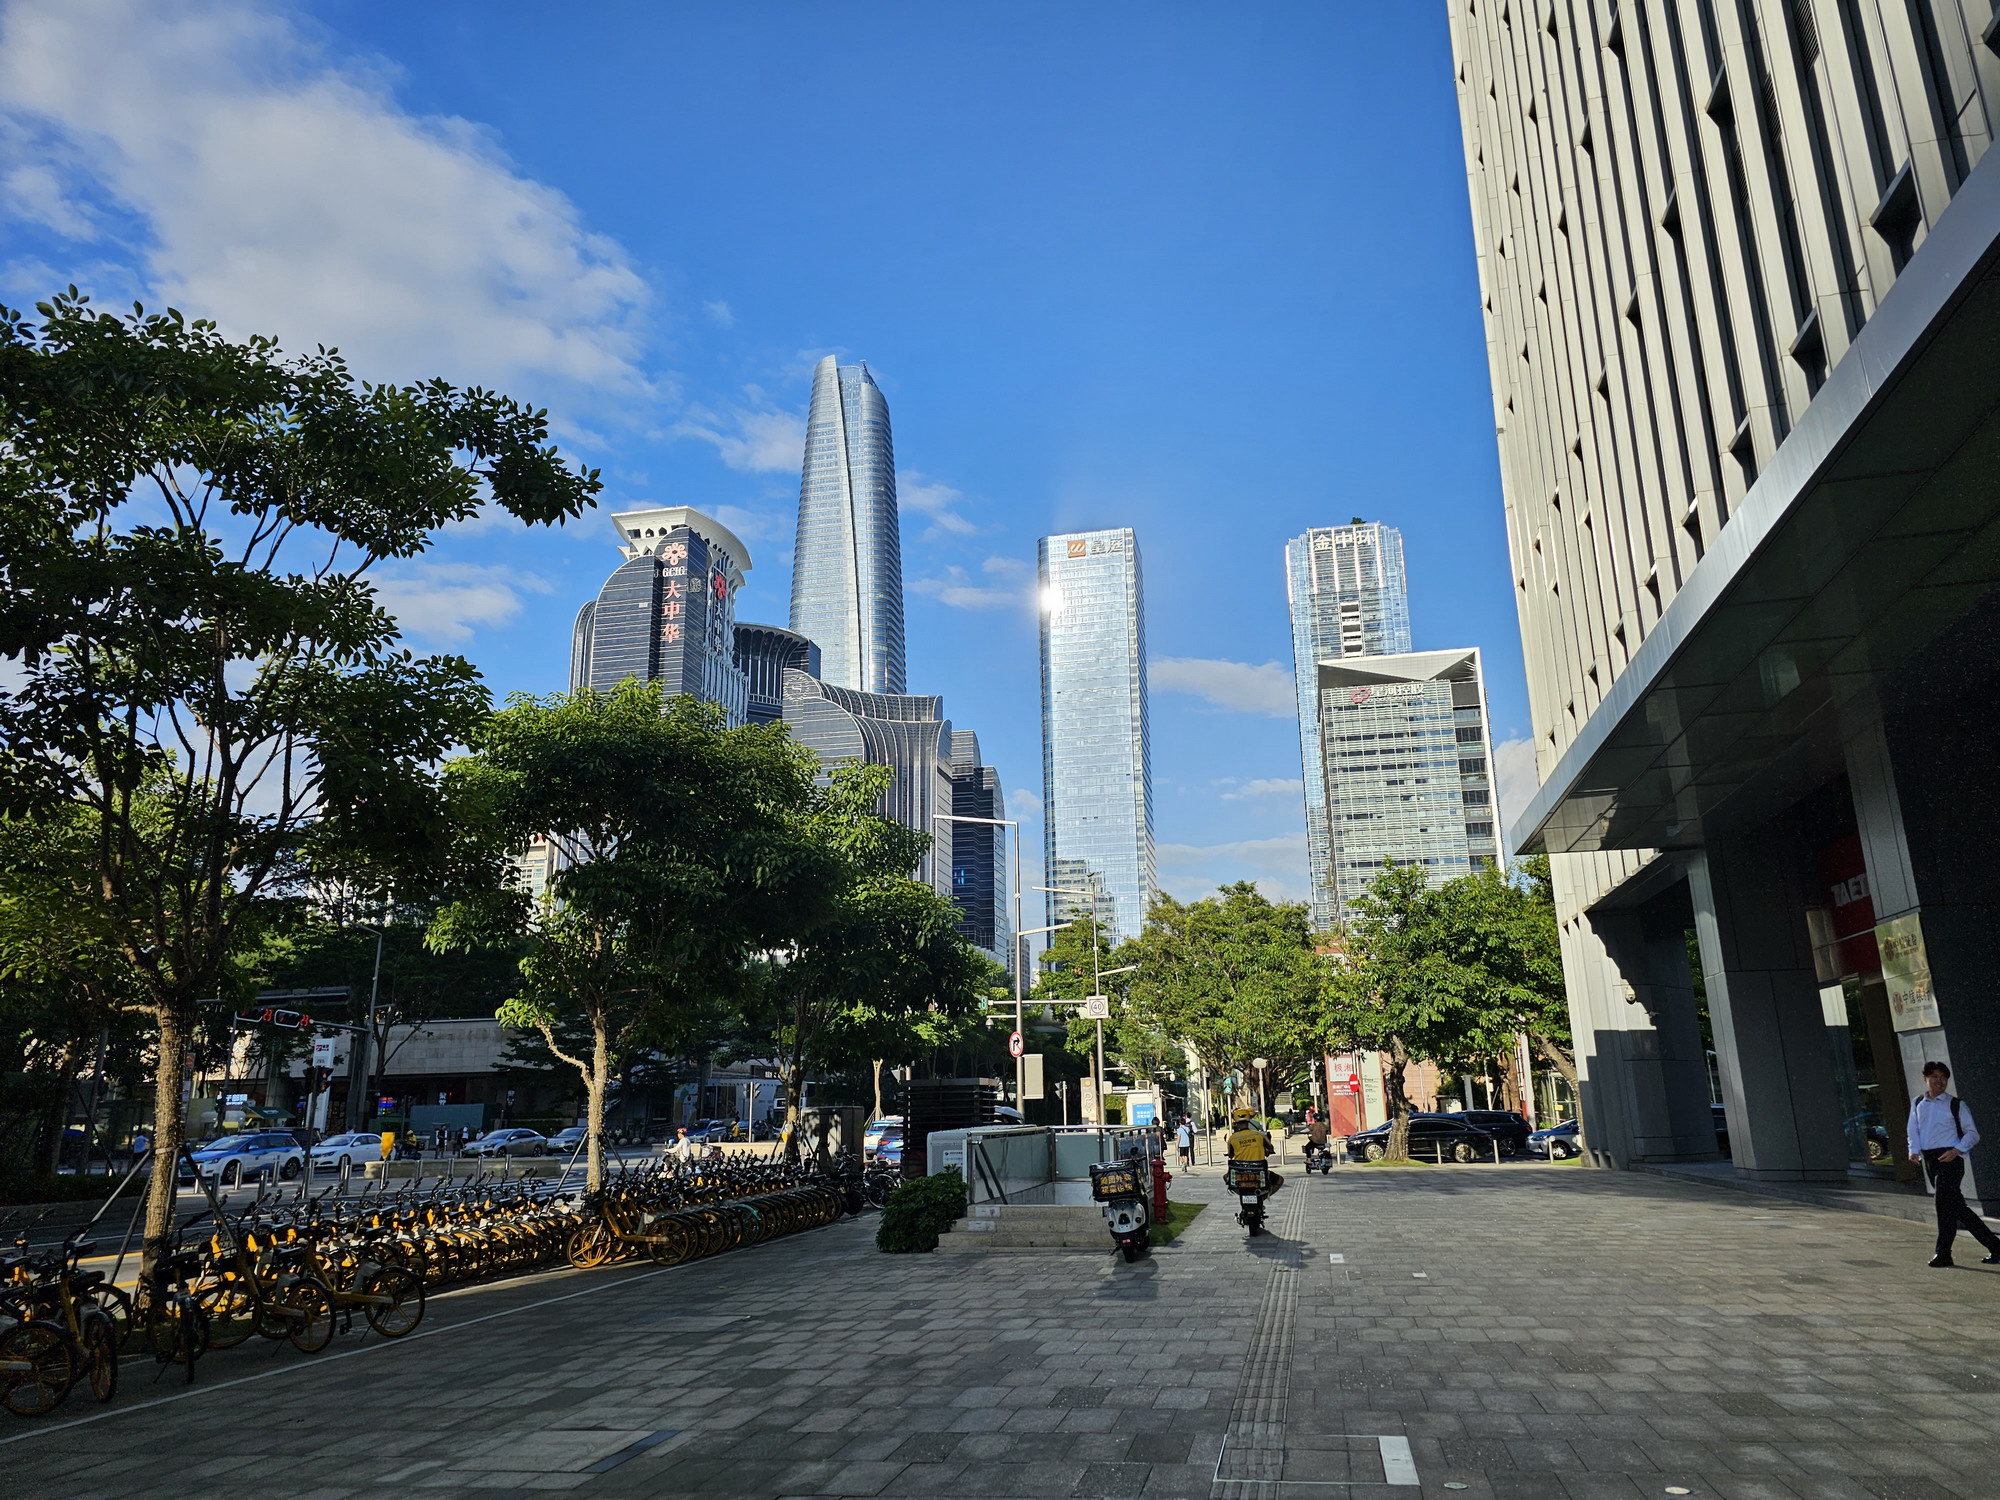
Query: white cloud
point(1234, 685)
point(751, 525)
point(1026, 804)
point(758, 441)
point(1514, 779)
point(1189, 872)
point(1005, 567)
point(280, 192)
point(719, 314)
point(957, 589)
point(35, 192)
point(1267, 786)
point(929, 497)
point(442, 602)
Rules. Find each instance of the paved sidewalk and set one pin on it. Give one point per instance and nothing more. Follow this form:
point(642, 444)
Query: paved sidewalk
point(1530, 1332)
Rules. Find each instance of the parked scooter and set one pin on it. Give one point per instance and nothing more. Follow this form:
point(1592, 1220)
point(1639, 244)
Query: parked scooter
point(1248, 1180)
point(1121, 1187)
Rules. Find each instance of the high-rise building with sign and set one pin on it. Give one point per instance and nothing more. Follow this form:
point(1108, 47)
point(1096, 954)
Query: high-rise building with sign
point(1097, 780)
point(1348, 597)
point(1403, 767)
point(1737, 283)
point(979, 852)
point(668, 614)
point(847, 569)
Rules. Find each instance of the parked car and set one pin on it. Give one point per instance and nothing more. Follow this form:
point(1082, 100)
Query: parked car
point(1867, 1136)
point(1558, 1142)
point(1430, 1136)
point(569, 1139)
point(872, 1136)
point(1504, 1125)
point(515, 1142)
point(232, 1159)
point(348, 1149)
point(712, 1132)
point(888, 1147)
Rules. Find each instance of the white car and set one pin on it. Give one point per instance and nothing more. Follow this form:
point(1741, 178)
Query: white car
point(349, 1149)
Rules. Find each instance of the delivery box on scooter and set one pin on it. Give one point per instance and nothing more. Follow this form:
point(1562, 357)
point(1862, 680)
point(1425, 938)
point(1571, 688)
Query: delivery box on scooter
point(1115, 1179)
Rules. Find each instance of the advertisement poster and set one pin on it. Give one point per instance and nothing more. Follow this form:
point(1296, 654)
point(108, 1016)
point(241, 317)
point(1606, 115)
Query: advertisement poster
point(1906, 972)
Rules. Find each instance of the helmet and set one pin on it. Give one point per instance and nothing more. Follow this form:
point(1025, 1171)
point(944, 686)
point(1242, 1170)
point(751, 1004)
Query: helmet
point(1245, 1113)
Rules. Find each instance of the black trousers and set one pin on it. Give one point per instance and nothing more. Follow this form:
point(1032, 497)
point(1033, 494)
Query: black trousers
point(1952, 1214)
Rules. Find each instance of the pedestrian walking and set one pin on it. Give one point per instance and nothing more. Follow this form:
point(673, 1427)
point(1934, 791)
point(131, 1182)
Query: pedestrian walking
point(140, 1146)
point(1184, 1142)
point(1941, 1132)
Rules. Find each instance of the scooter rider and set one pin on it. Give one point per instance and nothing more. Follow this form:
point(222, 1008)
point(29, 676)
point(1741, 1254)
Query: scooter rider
point(1317, 1135)
point(1248, 1142)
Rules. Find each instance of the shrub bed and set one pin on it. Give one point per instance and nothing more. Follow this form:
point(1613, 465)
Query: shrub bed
point(919, 1211)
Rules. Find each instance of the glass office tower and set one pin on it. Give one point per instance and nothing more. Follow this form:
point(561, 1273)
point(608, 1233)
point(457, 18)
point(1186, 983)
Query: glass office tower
point(667, 614)
point(1097, 782)
point(1405, 767)
point(847, 571)
point(979, 852)
point(1348, 597)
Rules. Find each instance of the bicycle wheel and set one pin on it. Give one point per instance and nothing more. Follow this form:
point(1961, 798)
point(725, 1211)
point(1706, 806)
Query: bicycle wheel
point(590, 1247)
point(37, 1368)
point(312, 1329)
point(231, 1313)
point(100, 1355)
point(117, 1306)
point(177, 1329)
point(405, 1307)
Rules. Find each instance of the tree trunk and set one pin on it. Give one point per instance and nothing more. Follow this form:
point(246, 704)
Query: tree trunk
point(1399, 1101)
point(168, 1132)
point(594, 1084)
point(878, 1090)
point(795, 1092)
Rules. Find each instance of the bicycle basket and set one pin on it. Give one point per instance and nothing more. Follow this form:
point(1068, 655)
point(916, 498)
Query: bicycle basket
point(1115, 1179)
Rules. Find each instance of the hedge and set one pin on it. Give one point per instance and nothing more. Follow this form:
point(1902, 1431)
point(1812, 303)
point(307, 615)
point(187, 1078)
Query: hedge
point(919, 1211)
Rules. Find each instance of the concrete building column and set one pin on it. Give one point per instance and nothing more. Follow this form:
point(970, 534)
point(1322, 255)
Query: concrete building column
point(1778, 1079)
point(1667, 1103)
point(1924, 799)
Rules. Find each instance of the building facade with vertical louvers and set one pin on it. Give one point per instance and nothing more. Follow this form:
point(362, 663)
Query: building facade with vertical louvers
point(1348, 596)
point(1737, 270)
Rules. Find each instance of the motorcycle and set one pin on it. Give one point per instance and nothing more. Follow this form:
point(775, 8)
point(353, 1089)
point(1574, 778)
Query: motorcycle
point(1121, 1187)
point(1247, 1180)
point(1319, 1158)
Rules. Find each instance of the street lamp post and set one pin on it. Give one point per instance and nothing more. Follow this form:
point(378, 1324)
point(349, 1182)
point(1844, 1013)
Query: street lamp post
point(1014, 850)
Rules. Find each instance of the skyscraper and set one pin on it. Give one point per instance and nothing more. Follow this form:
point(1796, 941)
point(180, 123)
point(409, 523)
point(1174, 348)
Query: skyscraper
point(669, 613)
point(1736, 276)
point(1097, 780)
point(906, 732)
point(765, 653)
point(1402, 769)
point(847, 570)
point(1348, 597)
point(979, 852)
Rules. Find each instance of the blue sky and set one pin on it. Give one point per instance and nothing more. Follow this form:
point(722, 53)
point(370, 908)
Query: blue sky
point(1202, 270)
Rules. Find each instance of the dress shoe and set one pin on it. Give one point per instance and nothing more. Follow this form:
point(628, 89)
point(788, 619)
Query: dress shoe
point(1990, 1260)
point(1941, 1262)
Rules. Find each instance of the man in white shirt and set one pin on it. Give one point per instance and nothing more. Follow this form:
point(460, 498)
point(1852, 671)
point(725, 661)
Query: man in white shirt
point(1941, 1132)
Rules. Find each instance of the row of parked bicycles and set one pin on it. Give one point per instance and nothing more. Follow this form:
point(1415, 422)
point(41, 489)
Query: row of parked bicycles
point(298, 1268)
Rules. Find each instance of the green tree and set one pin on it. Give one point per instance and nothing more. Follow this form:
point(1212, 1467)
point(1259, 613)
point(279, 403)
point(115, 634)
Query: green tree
point(1235, 977)
point(682, 846)
point(187, 525)
point(1411, 987)
point(884, 958)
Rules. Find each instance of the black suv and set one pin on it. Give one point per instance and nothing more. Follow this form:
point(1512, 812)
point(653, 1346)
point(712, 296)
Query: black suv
point(1506, 1127)
point(1432, 1138)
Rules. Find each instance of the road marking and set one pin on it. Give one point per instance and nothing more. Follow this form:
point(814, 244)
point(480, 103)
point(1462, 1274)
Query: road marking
point(1398, 1465)
point(1420, 1275)
point(1338, 1260)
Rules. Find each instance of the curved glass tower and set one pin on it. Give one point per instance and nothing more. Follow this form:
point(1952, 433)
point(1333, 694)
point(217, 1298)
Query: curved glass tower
point(847, 572)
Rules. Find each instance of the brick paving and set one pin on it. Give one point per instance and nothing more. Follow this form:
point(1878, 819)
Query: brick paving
point(1527, 1332)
